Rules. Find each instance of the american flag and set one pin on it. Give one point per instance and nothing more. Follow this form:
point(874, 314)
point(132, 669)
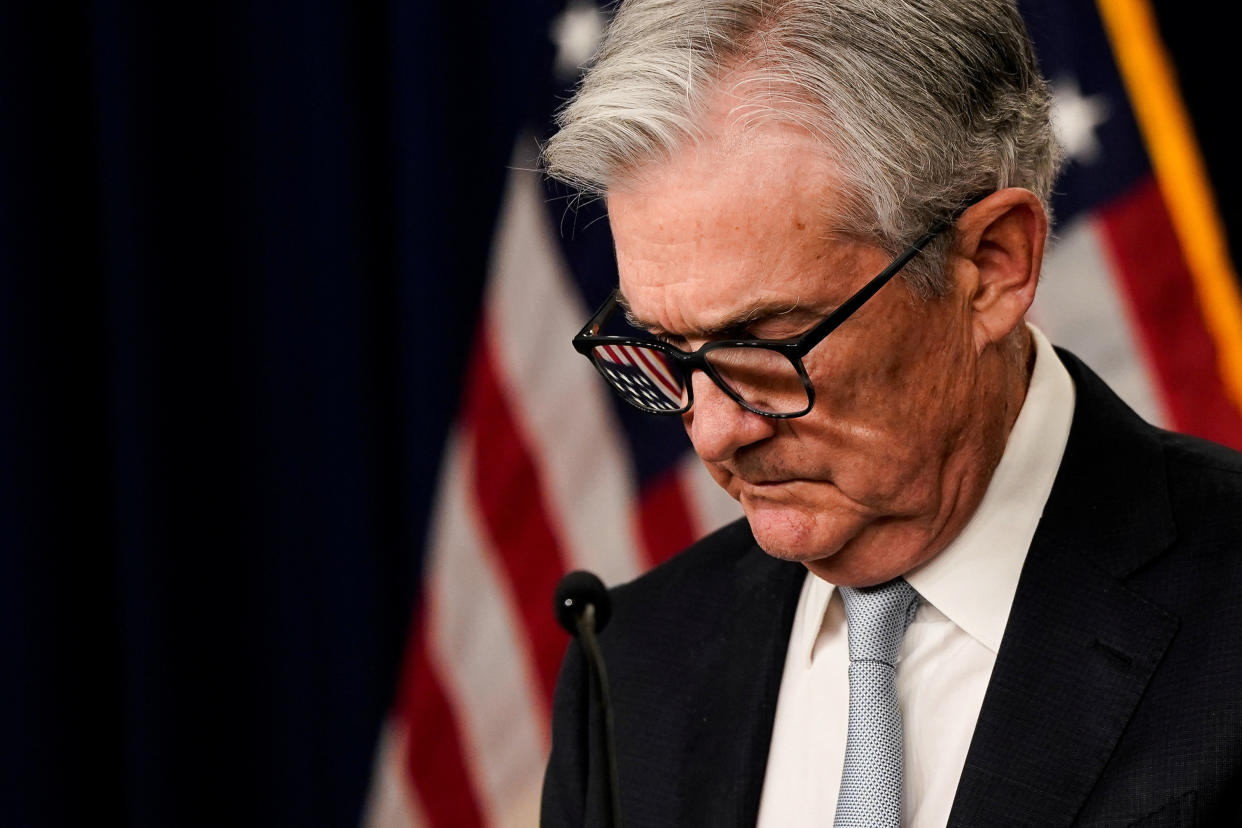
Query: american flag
point(546, 472)
point(643, 374)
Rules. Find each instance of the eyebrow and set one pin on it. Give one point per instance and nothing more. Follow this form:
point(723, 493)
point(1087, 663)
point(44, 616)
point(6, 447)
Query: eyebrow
point(728, 326)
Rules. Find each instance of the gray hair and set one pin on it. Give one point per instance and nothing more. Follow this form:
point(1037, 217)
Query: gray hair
point(923, 106)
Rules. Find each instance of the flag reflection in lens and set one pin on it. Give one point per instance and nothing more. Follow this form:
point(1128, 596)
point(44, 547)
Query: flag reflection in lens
point(642, 376)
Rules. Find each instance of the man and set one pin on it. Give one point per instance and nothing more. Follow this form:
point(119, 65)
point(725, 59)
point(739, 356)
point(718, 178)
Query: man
point(971, 587)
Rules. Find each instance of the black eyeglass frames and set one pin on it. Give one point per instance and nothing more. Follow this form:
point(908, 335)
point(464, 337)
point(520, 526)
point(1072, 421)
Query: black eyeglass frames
point(764, 376)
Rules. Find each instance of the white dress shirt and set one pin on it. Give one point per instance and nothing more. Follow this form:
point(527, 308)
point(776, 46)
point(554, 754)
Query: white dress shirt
point(949, 649)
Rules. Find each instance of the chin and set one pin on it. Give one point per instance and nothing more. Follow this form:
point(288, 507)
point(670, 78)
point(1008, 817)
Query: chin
point(794, 533)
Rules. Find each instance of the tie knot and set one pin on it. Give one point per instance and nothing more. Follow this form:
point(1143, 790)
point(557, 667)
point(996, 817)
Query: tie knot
point(877, 617)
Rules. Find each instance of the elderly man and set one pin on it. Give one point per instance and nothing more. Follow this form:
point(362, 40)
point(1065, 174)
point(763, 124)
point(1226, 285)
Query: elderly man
point(972, 587)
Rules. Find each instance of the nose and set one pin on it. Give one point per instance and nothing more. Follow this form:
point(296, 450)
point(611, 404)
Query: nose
point(718, 426)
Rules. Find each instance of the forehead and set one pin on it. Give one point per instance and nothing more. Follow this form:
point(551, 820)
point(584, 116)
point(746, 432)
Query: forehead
point(730, 226)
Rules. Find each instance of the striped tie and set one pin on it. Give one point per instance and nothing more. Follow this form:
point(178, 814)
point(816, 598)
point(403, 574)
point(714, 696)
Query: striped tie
point(877, 618)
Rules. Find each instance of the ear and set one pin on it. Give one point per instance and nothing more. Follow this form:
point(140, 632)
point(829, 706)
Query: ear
point(997, 256)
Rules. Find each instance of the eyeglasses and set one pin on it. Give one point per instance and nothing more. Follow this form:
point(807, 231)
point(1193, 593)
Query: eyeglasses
point(764, 376)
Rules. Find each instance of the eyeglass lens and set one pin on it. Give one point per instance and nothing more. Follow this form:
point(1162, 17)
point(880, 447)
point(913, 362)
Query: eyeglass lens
point(644, 377)
point(766, 380)
point(648, 379)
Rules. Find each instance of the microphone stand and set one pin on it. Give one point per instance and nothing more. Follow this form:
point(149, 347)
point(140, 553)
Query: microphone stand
point(599, 685)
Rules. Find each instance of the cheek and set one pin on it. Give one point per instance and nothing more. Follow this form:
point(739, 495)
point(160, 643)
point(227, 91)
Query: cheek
point(857, 389)
point(903, 366)
point(882, 411)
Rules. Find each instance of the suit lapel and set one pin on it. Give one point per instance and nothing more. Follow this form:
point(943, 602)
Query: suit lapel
point(726, 766)
point(1079, 646)
point(1072, 667)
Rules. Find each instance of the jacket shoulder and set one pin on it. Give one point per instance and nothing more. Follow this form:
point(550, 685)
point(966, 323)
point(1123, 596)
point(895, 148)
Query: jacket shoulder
point(695, 585)
point(1186, 453)
point(1205, 492)
point(705, 558)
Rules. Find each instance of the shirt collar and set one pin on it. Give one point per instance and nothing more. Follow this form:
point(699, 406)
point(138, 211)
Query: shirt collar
point(973, 580)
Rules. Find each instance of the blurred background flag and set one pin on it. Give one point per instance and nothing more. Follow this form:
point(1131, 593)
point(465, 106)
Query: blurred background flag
point(294, 444)
point(546, 472)
point(1139, 280)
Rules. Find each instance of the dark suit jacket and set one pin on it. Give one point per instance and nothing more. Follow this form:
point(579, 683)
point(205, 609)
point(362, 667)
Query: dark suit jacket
point(1116, 698)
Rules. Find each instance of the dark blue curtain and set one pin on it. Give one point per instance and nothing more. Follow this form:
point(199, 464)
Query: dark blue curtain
point(240, 246)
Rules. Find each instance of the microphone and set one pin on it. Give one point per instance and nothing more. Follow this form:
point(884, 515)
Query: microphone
point(575, 594)
point(583, 607)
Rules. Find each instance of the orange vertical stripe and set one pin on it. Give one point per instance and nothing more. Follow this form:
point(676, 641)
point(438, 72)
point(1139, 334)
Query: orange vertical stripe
point(1149, 78)
point(1147, 259)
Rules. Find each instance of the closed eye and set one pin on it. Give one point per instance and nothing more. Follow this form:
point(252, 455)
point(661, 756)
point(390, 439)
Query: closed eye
point(678, 342)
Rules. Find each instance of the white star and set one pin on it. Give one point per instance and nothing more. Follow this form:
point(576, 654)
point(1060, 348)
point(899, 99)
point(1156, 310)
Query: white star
point(1075, 119)
point(576, 32)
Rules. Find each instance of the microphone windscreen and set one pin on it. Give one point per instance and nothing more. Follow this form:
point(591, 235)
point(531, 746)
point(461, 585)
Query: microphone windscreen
point(574, 592)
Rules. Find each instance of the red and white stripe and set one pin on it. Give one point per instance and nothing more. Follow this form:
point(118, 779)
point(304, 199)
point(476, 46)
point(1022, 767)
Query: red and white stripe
point(1117, 291)
point(535, 482)
point(1081, 305)
point(652, 366)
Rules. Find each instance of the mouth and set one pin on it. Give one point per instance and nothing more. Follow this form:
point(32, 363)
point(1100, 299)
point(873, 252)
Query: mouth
point(769, 482)
point(768, 476)
point(757, 481)
point(765, 484)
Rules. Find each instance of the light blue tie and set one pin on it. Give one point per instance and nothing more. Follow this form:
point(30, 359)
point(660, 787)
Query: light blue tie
point(877, 618)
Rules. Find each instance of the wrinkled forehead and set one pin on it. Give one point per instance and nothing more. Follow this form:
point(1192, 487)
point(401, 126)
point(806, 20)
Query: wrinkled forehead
point(734, 176)
point(725, 231)
point(731, 319)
